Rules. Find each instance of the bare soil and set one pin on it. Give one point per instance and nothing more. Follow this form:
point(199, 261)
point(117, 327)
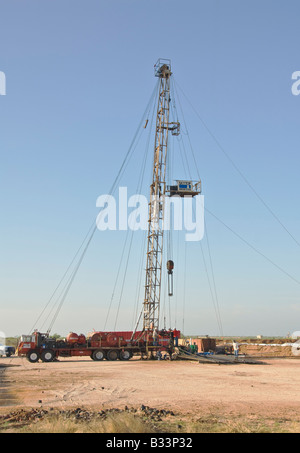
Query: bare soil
point(268, 390)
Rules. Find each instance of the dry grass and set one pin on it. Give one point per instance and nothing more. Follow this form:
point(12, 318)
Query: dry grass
point(129, 423)
point(218, 424)
point(117, 423)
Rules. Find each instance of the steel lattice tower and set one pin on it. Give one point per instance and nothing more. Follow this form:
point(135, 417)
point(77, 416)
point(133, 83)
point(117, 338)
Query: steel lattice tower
point(157, 196)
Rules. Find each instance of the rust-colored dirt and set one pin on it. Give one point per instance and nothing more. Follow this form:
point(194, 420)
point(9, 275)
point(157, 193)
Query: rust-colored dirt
point(181, 386)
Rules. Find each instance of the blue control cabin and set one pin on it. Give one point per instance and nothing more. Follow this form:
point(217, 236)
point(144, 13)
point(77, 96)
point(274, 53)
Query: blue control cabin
point(184, 188)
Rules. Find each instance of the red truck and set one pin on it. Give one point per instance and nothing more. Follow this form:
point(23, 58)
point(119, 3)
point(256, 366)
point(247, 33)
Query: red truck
point(97, 345)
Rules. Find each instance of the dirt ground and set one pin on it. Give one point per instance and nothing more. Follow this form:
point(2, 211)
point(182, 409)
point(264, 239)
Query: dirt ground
point(268, 389)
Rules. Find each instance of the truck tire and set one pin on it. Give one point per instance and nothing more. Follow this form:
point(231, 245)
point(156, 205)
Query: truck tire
point(47, 355)
point(125, 355)
point(113, 354)
point(33, 356)
point(98, 355)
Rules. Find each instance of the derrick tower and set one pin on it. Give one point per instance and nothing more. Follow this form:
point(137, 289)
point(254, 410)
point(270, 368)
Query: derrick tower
point(157, 197)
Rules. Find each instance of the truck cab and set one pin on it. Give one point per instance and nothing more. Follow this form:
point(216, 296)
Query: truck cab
point(6, 350)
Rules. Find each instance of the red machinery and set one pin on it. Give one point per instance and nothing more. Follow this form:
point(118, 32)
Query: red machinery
point(97, 345)
point(73, 338)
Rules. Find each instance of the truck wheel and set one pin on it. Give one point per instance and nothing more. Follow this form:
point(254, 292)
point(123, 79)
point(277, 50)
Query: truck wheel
point(98, 355)
point(113, 354)
point(47, 355)
point(125, 355)
point(33, 356)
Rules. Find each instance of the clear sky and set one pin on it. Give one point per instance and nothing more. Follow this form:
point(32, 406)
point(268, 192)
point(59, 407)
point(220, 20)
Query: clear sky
point(79, 75)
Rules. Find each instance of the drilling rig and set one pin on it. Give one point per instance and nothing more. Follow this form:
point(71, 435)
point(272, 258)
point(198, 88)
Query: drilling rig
point(157, 198)
point(158, 191)
point(122, 345)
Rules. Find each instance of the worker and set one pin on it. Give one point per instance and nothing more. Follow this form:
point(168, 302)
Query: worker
point(235, 348)
point(155, 337)
point(159, 355)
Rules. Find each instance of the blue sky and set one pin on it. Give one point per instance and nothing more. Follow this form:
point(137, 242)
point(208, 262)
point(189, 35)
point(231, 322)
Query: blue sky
point(78, 78)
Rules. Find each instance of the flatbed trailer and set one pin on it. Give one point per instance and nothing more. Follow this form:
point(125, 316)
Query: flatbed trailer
point(98, 346)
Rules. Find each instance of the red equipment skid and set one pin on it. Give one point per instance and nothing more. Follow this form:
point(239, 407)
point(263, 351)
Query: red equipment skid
point(97, 345)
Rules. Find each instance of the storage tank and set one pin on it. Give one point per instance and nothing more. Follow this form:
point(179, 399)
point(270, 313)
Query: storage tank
point(72, 338)
point(81, 339)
